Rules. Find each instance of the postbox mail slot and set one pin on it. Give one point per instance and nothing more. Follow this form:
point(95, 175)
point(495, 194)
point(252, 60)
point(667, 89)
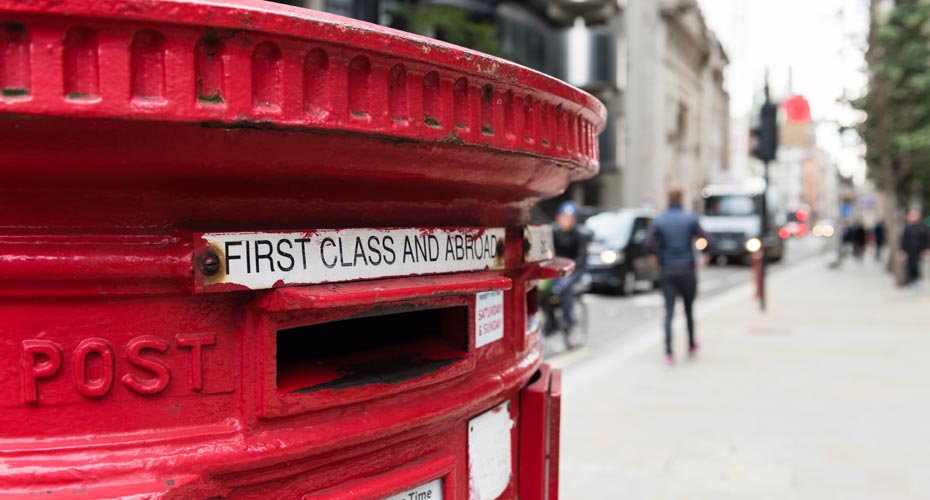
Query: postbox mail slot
point(373, 349)
point(340, 344)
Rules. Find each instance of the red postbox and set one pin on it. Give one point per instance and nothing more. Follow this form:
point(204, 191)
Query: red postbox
point(254, 251)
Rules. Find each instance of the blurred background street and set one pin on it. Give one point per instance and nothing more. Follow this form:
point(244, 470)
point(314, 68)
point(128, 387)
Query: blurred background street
point(822, 396)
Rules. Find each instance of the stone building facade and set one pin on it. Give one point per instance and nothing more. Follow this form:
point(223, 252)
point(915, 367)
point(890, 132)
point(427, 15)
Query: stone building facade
point(676, 107)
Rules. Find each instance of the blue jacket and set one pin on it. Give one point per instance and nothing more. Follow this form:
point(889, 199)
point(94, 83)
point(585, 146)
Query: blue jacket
point(671, 237)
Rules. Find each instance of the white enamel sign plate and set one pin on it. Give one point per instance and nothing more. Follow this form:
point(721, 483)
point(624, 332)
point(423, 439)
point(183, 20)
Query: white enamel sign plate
point(270, 259)
point(541, 246)
point(489, 453)
point(489, 317)
point(429, 491)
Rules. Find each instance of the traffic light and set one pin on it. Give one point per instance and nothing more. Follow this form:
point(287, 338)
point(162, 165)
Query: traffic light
point(765, 134)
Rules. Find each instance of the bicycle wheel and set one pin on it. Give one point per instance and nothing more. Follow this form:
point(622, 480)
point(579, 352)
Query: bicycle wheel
point(578, 335)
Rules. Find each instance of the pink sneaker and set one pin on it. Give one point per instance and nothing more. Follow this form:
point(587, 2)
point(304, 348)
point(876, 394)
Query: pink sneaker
point(669, 360)
point(692, 351)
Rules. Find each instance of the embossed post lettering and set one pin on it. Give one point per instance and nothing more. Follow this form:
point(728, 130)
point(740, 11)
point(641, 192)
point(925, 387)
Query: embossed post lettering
point(98, 387)
point(196, 344)
point(35, 368)
point(160, 375)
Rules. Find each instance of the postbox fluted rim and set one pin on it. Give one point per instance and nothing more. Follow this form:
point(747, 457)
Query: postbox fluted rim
point(270, 55)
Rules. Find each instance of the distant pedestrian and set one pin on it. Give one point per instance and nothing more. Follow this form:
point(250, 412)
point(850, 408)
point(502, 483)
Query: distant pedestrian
point(878, 236)
point(671, 238)
point(847, 237)
point(857, 239)
point(914, 242)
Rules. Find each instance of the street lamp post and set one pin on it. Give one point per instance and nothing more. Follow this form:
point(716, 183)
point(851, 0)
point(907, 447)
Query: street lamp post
point(765, 147)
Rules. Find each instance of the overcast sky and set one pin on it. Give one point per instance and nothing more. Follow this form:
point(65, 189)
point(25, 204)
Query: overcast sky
point(818, 41)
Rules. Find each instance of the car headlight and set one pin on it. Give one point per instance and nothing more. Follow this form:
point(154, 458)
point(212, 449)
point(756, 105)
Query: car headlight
point(609, 257)
point(827, 231)
point(753, 245)
point(700, 244)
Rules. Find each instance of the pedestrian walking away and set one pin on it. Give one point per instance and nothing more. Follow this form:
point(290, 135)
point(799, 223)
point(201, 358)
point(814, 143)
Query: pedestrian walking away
point(914, 242)
point(857, 238)
point(671, 238)
point(878, 235)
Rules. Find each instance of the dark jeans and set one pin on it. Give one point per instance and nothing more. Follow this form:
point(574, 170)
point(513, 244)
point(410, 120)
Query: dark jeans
point(913, 267)
point(673, 285)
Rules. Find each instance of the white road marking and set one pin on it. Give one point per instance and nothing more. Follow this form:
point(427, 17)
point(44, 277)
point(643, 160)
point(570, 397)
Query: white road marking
point(568, 357)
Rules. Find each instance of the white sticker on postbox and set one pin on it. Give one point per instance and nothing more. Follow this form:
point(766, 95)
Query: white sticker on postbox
point(489, 317)
point(429, 491)
point(538, 243)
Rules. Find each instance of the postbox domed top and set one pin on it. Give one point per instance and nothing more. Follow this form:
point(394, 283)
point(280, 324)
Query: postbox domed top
point(251, 63)
point(244, 113)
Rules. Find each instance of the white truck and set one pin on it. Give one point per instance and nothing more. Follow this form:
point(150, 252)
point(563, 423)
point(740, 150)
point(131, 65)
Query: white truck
point(731, 218)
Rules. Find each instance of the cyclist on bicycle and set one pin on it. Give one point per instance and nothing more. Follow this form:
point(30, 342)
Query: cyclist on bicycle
point(571, 243)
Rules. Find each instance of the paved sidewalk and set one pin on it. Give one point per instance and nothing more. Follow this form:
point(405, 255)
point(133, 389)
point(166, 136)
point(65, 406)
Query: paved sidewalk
point(826, 396)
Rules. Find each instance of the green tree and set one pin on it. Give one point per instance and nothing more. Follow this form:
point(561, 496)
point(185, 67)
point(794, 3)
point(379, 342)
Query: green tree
point(897, 105)
point(449, 24)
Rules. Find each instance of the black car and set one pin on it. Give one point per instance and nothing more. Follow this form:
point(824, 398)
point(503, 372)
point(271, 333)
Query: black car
point(617, 258)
